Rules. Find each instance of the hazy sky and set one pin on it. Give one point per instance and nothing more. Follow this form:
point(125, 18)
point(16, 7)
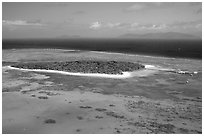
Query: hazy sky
point(51, 20)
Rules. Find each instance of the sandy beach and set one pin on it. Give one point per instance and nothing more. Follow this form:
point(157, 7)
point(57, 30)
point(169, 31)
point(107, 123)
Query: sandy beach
point(152, 100)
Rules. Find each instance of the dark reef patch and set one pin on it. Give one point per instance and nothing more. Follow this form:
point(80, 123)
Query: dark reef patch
point(105, 67)
point(50, 121)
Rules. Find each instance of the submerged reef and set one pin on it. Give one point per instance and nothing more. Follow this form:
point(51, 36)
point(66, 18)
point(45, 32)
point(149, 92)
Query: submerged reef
point(102, 67)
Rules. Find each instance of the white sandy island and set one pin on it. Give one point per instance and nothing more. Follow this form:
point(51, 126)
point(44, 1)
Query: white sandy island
point(116, 76)
point(148, 70)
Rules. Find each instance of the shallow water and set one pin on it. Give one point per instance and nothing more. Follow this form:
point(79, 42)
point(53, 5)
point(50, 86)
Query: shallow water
point(25, 112)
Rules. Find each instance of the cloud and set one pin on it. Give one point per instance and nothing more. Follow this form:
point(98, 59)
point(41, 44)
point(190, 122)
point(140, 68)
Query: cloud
point(98, 25)
point(128, 26)
point(161, 26)
point(22, 23)
point(186, 24)
point(134, 26)
point(152, 26)
point(95, 25)
point(137, 26)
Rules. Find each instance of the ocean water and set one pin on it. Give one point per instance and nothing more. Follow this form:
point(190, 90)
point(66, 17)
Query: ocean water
point(167, 48)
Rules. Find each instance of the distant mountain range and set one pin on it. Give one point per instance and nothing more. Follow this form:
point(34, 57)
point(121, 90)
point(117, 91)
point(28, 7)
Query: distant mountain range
point(168, 35)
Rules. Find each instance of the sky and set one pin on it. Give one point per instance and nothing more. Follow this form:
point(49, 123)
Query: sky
point(98, 20)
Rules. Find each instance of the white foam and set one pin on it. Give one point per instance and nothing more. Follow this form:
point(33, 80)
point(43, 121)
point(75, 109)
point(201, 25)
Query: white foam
point(123, 76)
point(152, 67)
point(178, 71)
point(149, 66)
point(195, 72)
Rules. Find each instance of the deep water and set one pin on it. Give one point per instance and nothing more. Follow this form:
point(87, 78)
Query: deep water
point(167, 48)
